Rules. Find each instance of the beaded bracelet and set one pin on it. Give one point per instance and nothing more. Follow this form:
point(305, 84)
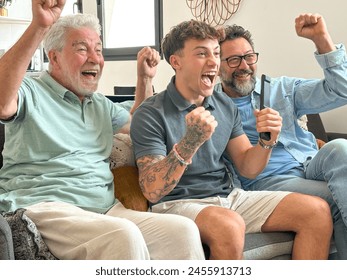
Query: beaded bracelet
point(179, 158)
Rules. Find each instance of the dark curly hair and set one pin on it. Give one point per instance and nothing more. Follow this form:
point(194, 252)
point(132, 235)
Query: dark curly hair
point(174, 41)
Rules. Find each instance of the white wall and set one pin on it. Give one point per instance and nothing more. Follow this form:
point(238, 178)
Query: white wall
point(272, 25)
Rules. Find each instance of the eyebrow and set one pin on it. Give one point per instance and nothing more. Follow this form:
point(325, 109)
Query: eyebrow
point(75, 43)
point(203, 47)
point(247, 52)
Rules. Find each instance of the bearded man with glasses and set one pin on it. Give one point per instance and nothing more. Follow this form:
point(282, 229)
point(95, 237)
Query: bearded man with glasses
point(296, 163)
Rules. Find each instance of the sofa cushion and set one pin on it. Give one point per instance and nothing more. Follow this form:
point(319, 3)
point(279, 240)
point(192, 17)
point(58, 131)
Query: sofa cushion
point(269, 246)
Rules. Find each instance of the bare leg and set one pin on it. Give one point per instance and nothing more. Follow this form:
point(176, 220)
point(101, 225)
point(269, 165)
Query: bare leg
point(309, 217)
point(223, 230)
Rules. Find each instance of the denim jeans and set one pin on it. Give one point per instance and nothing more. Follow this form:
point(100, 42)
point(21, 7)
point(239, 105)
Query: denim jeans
point(312, 187)
point(330, 165)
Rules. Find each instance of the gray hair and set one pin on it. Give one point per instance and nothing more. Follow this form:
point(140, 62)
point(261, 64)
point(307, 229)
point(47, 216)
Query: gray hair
point(55, 38)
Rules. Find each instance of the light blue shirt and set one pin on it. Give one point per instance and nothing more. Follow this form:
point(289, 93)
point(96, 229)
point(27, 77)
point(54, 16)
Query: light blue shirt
point(294, 97)
point(57, 148)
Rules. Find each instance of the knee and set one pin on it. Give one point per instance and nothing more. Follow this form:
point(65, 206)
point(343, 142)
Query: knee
point(337, 147)
point(127, 233)
point(236, 224)
point(221, 225)
point(224, 234)
point(319, 213)
point(179, 229)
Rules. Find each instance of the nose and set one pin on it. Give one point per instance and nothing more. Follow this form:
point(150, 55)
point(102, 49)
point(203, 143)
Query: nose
point(243, 64)
point(94, 57)
point(214, 60)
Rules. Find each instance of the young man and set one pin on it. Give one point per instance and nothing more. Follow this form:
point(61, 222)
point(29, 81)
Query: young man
point(296, 164)
point(179, 138)
point(58, 142)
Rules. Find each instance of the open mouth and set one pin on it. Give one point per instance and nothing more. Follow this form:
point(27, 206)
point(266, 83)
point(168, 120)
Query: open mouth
point(242, 74)
point(89, 73)
point(208, 78)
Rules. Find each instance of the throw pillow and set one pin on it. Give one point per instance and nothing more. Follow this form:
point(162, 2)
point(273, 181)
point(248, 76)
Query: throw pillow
point(122, 153)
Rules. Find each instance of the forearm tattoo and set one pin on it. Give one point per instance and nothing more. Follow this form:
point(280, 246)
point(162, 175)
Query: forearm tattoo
point(158, 175)
point(194, 138)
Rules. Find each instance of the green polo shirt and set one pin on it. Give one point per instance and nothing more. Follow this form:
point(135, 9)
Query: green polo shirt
point(57, 148)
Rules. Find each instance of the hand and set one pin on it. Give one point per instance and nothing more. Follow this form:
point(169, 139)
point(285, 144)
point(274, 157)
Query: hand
point(269, 120)
point(200, 127)
point(46, 12)
point(147, 61)
point(313, 27)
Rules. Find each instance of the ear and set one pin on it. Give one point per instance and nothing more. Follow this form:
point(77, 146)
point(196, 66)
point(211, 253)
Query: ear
point(175, 61)
point(52, 56)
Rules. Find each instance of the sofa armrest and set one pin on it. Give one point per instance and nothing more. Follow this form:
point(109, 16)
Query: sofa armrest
point(6, 242)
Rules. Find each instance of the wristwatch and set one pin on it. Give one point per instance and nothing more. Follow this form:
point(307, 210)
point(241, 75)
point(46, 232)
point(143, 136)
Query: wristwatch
point(265, 146)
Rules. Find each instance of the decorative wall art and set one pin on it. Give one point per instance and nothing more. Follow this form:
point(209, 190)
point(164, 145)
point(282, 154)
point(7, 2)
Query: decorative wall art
point(213, 12)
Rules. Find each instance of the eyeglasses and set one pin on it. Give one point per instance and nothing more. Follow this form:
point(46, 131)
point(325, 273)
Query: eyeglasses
point(235, 60)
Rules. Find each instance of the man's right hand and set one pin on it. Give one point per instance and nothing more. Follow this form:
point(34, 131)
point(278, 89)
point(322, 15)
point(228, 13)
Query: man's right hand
point(46, 12)
point(147, 61)
point(201, 124)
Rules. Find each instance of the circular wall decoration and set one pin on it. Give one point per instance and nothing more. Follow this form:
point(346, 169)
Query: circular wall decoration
point(213, 12)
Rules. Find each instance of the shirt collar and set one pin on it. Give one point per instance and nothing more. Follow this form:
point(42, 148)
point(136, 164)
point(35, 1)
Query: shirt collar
point(181, 103)
point(58, 88)
point(257, 87)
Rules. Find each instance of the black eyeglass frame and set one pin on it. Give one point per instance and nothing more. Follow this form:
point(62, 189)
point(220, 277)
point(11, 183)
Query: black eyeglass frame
point(242, 57)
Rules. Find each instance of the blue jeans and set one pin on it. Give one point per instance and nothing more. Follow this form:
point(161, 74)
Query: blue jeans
point(294, 183)
point(330, 165)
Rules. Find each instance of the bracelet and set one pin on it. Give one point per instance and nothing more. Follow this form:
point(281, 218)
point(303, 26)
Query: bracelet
point(265, 146)
point(179, 158)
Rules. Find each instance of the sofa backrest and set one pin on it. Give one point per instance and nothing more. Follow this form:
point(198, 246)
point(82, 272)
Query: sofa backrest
point(314, 124)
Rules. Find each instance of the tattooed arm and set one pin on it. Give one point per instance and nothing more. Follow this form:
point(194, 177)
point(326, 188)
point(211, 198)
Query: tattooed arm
point(159, 175)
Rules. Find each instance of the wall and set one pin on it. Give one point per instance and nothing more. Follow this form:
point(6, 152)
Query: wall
point(272, 25)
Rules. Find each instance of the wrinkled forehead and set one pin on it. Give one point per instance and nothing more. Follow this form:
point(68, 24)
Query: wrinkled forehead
point(85, 35)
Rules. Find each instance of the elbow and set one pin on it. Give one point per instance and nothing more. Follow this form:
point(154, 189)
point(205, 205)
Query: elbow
point(249, 175)
point(8, 110)
point(4, 115)
point(151, 196)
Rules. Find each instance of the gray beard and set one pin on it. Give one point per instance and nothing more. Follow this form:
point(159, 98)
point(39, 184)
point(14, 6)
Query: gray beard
point(242, 89)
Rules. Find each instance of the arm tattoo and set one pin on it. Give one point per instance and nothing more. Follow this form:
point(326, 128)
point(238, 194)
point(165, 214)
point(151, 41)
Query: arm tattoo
point(158, 175)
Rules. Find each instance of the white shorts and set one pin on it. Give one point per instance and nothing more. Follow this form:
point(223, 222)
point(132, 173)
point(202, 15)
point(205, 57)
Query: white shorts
point(253, 206)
